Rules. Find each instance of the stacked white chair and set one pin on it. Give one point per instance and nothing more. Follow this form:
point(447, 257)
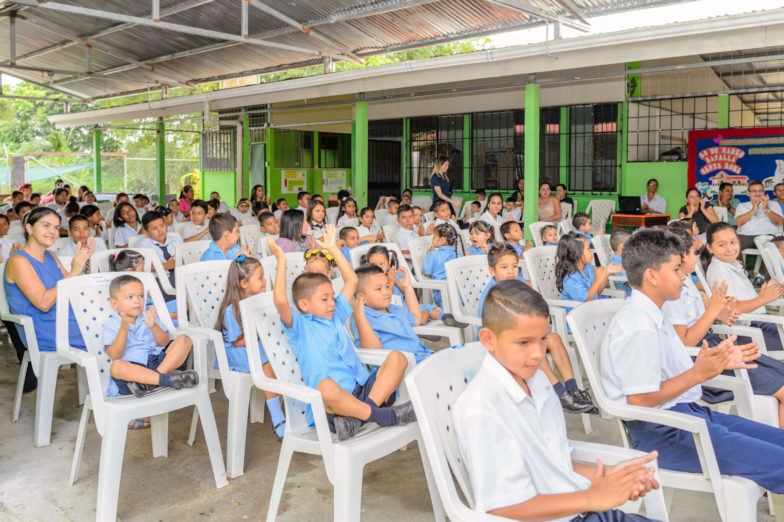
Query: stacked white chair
point(390, 231)
point(601, 245)
point(89, 297)
point(110, 236)
point(201, 288)
point(99, 262)
point(381, 216)
point(774, 262)
point(190, 252)
point(435, 385)
point(418, 248)
point(250, 235)
point(721, 213)
point(180, 227)
point(565, 226)
point(46, 366)
point(600, 210)
point(343, 461)
point(566, 210)
point(736, 497)
point(332, 215)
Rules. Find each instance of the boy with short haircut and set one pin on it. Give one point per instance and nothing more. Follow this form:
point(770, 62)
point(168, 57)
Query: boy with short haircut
point(475, 211)
point(502, 264)
point(617, 239)
point(303, 200)
point(407, 231)
point(326, 355)
point(268, 224)
point(349, 238)
point(369, 231)
point(225, 234)
point(582, 226)
point(143, 355)
point(380, 324)
point(644, 363)
point(196, 229)
point(510, 207)
point(213, 207)
point(222, 205)
point(513, 235)
point(71, 210)
point(160, 241)
point(443, 215)
point(393, 207)
point(35, 198)
point(140, 202)
point(512, 435)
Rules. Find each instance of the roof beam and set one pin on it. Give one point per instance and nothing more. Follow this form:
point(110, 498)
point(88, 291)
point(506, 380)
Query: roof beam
point(524, 7)
point(575, 10)
point(167, 26)
point(305, 29)
point(81, 96)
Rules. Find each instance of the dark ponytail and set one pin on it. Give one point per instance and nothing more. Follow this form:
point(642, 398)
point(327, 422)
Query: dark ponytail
point(569, 251)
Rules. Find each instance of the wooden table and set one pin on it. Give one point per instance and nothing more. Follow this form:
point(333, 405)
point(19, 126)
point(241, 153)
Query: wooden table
point(639, 220)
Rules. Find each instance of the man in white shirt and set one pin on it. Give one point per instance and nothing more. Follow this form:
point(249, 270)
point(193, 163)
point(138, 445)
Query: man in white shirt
point(407, 230)
point(757, 217)
point(651, 202)
point(644, 363)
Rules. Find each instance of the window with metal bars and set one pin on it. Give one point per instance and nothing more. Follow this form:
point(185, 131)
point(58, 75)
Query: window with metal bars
point(430, 137)
point(550, 145)
point(757, 109)
point(217, 150)
point(593, 148)
point(497, 149)
point(659, 129)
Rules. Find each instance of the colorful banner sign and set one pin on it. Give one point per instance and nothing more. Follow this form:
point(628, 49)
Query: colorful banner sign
point(736, 156)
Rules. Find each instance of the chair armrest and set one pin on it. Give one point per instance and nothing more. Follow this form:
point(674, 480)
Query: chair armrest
point(612, 292)
point(563, 303)
point(433, 284)
point(617, 278)
point(762, 318)
point(740, 386)
point(451, 333)
point(377, 356)
point(199, 332)
point(609, 455)
point(748, 331)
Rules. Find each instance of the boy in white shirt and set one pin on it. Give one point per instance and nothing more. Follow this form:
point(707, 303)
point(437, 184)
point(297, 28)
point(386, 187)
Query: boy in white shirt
point(407, 231)
point(511, 208)
point(644, 363)
point(160, 241)
point(511, 431)
point(79, 230)
point(303, 200)
point(198, 227)
point(393, 207)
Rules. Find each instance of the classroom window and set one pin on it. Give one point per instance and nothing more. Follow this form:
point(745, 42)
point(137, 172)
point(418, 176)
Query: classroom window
point(218, 150)
point(334, 150)
point(593, 148)
point(497, 149)
point(430, 137)
point(550, 145)
point(659, 129)
point(757, 109)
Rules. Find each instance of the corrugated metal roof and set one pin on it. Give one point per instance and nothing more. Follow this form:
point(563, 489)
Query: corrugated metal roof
point(361, 27)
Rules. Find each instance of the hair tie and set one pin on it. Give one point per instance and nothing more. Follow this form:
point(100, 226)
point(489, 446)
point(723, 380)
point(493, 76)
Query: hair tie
point(116, 255)
point(241, 258)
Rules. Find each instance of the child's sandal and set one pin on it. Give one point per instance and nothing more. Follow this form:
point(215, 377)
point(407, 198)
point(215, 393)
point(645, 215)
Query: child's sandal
point(138, 424)
point(275, 429)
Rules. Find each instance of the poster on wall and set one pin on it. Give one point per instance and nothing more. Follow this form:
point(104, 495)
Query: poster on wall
point(736, 156)
point(333, 181)
point(293, 181)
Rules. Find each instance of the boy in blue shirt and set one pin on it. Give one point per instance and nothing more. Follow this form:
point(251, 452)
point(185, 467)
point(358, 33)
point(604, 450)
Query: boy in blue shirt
point(502, 264)
point(143, 356)
point(617, 238)
point(327, 359)
point(512, 233)
point(380, 324)
point(349, 238)
point(582, 226)
point(225, 232)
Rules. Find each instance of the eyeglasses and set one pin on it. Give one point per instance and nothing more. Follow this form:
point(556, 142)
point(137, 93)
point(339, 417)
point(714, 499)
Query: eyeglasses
point(653, 184)
point(318, 251)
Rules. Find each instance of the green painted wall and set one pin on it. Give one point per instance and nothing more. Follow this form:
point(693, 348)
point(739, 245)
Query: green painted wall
point(224, 182)
point(672, 177)
point(314, 183)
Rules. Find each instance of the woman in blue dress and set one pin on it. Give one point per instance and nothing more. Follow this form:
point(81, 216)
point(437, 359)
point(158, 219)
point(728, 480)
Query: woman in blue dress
point(440, 184)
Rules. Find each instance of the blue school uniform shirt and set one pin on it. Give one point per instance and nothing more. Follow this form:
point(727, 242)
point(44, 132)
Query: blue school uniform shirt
point(395, 330)
point(517, 248)
point(576, 284)
point(435, 260)
point(616, 260)
point(489, 286)
point(237, 355)
point(139, 344)
point(324, 349)
point(346, 252)
point(476, 251)
point(551, 244)
point(587, 236)
point(213, 253)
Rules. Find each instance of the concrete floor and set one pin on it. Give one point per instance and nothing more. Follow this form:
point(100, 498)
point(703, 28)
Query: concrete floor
point(33, 481)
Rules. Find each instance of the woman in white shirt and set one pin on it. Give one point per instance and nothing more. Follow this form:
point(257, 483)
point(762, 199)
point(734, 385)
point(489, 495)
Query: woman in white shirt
point(651, 202)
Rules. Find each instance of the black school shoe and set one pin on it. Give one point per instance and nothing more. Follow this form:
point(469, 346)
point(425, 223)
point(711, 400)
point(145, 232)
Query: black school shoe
point(346, 427)
point(450, 320)
point(183, 379)
point(586, 397)
point(405, 413)
point(573, 402)
point(138, 389)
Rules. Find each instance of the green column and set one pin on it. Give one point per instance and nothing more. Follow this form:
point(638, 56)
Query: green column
point(359, 152)
point(467, 158)
point(563, 149)
point(406, 152)
point(531, 162)
point(161, 155)
point(316, 151)
point(269, 157)
point(98, 177)
point(724, 111)
point(246, 181)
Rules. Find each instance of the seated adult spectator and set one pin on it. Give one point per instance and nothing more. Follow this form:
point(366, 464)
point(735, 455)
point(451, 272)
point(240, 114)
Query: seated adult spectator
point(560, 193)
point(520, 193)
point(697, 208)
point(726, 198)
point(778, 193)
point(757, 217)
point(651, 202)
point(549, 206)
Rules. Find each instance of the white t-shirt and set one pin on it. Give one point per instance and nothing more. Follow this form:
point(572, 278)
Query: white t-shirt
point(513, 445)
point(124, 232)
point(515, 214)
point(657, 204)
point(641, 350)
point(738, 284)
point(688, 309)
point(69, 250)
point(487, 218)
point(191, 229)
point(374, 230)
point(404, 237)
point(759, 223)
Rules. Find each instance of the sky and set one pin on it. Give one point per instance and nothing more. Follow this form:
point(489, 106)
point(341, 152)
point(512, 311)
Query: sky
point(680, 12)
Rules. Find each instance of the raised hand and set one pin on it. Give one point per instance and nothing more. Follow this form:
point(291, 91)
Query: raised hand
point(765, 201)
point(245, 250)
point(150, 316)
point(328, 238)
point(612, 268)
point(359, 304)
point(610, 490)
point(771, 291)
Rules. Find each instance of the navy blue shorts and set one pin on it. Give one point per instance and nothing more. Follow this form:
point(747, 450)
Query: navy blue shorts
point(153, 361)
point(362, 392)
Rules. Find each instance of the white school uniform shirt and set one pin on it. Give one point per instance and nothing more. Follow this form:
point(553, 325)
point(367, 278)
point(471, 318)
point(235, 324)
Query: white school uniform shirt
point(641, 350)
point(277, 214)
point(178, 218)
point(6, 243)
point(657, 204)
point(390, 219)
point(514, 445)
point(344, 221)
point(374, 230)
point(223, 207)
point(60, 209)
point(487, 218)
point(103, 235)
point(316, 232)
point(191, 229)
point(404, 237)
point(515, 214)
point(738, 284)
point(124, 232)
point(170, 245)
point(688, 309)
point(759, 223)
point(69, 250)
point(302, 209)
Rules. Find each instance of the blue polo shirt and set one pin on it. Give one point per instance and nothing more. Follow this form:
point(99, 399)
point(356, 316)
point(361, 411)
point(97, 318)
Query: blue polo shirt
point(237, 355)
point(616, 260)
point(213, 253)
point(139, 344)
point(395, 330)
point(435, 260)
point(346, 252)
point(476, 251)
point(487, 289)
point(517, 248)
point(324, 349)
point(588, 236)
point(576, 285)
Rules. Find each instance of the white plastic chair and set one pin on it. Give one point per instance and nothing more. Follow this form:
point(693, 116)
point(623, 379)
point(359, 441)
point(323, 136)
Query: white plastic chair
point(59, 243)
point(566, 210)
point(46, 366)
point(110, 236)
point(332, 215)
point(427, 217)
point(390, 231)
point(601, 245)
point(180, 227)
point(134, 240)
point(565, 226)
point(201, 288)
point(99, 262)
point(343, 461)
point(418, 248)
point(763, 254)
point(89, 297)
point(190, 252)
point(263, 247)
point(600, 210)
point(776, 267)
point(736, 497)
point(381, 215)
point(248, 221)
point(466, 279)
point(435, 385)
point(423, 202)
point(250, 235)
point(536, 231)
point(721, 213)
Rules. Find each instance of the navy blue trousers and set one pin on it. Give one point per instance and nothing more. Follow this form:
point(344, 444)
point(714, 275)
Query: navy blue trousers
point(613, 515)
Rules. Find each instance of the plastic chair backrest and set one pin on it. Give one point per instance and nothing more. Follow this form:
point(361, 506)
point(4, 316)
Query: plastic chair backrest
point(390, 231)
point(541, 269)
point(59, 243)
point(180, 227)
point(776, 268)
point(536, 231)
point(465, 235)
point(248, 221)
point(459, 201)
point(466, 278)
point(701, 276)
point(190, 252)
point(381, 215)
point(270, 265)
point(423, 202)
point(434, 387)
point(358, 252)
point(418, 248)
point(600, 210)
point(427, 217)
point(262, 249)
point(66, 262)
point(99, 262)
point(566, 210)
point(601, 245)
point(203, 285)
point(565, 226)
point(332, 215)
point(134, 240)
point(110, 236)
point(721, 213)
point(249, 235)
